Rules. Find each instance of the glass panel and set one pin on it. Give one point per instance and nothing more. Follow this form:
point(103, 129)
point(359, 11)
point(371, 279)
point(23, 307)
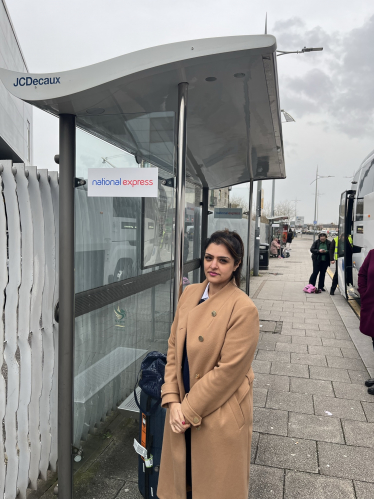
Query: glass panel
point(342, 215)
point(112, 340)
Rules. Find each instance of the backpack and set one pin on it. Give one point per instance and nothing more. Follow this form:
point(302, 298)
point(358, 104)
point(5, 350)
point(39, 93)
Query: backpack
point(151, 378)
point(309, 288)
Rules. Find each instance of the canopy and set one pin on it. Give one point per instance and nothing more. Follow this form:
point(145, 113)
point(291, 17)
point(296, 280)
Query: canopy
point(233, 119)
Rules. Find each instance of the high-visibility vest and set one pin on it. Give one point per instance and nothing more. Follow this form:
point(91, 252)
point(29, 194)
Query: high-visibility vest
point(336, 248)
point(336, 245)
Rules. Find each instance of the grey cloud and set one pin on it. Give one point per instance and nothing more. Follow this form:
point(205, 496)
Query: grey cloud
point(340, 84)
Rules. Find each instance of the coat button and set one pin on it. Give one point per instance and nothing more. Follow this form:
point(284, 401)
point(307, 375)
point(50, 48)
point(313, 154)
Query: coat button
point(201, 338)
point(197, 376)
point(195, 420)
point(214, 313)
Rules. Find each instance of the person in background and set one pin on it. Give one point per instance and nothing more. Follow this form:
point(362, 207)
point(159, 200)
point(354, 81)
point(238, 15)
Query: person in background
point(366, 290)
point(275, 248)
point(321, 260)
point(289, 239)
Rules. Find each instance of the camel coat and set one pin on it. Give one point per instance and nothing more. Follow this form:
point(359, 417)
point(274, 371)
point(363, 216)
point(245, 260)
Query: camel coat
point(221, 341)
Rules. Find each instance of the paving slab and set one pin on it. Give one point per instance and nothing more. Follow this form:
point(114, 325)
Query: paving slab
point(350, 353)
point(270, 421)
point(301, 325)
point(308, 359)
point(345, 461)
point(364, 490)
point(339, 408)
point(345, 363)
point(359, 433)
point(291, 347)
point(255, 437)
point(369, 411)
point(130, 490)
point(337, 343)
point(329, 373)
point(259, 396)
point(290, 401)
point(261, 366)
point(319, 334)
point(265, 482)
point(332, 351)
point(273, 355)
point(307, 340)
point(288, 330)
point(352, 391)
point(289, 453)
point(313, 386)
point(308, 486)
point(298, 370)
point(323, 428)
point(271, 381)
point(358, 377)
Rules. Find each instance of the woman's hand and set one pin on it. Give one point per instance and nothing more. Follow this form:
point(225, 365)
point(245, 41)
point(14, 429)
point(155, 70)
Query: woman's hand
point(177, 420)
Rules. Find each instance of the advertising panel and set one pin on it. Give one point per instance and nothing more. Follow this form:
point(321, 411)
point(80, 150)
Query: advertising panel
point(123, 182)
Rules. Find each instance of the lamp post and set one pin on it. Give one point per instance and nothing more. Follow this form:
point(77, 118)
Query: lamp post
point(316, 197)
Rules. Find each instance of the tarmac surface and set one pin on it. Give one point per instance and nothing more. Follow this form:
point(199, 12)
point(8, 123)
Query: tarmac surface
point(313, 426)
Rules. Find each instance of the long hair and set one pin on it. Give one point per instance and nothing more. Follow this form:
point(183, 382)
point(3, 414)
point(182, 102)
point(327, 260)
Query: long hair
point(235, 247)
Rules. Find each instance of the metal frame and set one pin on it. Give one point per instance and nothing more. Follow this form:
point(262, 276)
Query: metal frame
point(180, 190)
point(248, 280)
point(66, 305)
point(204, 229)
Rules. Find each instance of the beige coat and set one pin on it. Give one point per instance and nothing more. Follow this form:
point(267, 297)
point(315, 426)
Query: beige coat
point(221, 341)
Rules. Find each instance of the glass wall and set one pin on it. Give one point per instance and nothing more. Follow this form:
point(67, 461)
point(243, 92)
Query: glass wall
point(117, 242)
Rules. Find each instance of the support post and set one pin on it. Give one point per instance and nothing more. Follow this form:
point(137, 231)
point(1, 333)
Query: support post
point(250, 202)
point(256, 261)
point(204, 229)
point(181, 190)
point(272, 209)
point(315, 208)
point(66, 305)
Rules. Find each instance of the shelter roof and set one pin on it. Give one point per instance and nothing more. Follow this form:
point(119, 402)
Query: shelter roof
point(233, 121)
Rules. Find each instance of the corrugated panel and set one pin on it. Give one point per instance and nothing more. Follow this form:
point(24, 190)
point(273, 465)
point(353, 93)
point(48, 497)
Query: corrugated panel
point(27, 255)
point(11, 337)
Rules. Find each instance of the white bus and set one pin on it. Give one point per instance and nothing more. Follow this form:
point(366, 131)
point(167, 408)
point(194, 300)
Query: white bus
point(356, 219)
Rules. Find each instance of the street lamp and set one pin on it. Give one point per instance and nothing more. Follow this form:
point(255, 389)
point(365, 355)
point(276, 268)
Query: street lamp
point(316, 196)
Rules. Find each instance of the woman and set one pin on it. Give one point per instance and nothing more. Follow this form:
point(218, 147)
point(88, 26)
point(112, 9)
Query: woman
point(274, 248)
point(320, 250)
point(366, 290)
point(208, 382)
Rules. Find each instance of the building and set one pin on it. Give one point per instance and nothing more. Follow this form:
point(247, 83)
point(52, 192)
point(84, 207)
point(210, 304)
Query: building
point(15, 114)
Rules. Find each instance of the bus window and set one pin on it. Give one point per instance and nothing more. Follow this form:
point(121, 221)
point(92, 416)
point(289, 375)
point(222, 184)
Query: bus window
point(360, 210)
point(341, 225)
point(366, 184)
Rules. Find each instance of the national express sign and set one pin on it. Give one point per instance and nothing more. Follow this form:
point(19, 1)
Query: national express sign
point(123, 182)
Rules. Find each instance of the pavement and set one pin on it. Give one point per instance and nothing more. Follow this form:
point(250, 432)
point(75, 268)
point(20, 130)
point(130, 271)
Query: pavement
point(313, 426)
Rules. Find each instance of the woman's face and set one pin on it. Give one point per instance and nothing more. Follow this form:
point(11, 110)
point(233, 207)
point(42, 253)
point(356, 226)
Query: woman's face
point(218, 264)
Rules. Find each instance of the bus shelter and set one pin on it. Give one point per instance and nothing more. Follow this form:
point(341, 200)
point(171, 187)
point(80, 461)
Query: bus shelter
point(204, 112)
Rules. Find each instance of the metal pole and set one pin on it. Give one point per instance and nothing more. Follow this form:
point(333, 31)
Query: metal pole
point(256, 261)
point(272, 208)
point(181, 190)
point(204, 229)
point(315, 209)
point(247, 284)
point(66, 306)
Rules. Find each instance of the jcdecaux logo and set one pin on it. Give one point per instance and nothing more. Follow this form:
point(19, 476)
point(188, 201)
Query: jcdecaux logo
point(28, 81)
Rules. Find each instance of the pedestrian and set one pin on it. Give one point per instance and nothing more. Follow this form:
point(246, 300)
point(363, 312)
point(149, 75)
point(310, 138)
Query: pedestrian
point(321, 260)
point(275, 248)
point(208, 382)
point(366, 290)
point(289, 239)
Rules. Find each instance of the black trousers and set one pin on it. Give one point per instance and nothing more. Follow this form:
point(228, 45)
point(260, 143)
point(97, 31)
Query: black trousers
point(335, 278)
point(319, 268)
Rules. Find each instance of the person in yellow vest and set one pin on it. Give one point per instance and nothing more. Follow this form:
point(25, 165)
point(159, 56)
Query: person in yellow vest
point(334, 261)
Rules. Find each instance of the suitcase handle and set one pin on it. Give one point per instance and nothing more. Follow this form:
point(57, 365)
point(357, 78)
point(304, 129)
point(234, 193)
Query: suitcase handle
point(153, 409)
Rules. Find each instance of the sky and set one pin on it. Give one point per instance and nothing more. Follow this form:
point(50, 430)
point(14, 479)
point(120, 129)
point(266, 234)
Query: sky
point(330, 94)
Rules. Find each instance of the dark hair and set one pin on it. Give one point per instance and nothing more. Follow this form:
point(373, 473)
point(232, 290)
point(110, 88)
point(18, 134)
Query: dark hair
point(234, 245)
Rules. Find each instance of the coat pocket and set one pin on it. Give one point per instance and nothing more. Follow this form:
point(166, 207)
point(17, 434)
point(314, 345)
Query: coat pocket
point(236, 400)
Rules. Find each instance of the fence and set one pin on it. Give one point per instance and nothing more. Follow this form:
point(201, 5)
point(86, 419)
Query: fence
point(28, 332)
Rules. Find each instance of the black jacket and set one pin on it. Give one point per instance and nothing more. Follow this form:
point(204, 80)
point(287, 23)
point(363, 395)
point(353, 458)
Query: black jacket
point(289, 237)
point(316, 255)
